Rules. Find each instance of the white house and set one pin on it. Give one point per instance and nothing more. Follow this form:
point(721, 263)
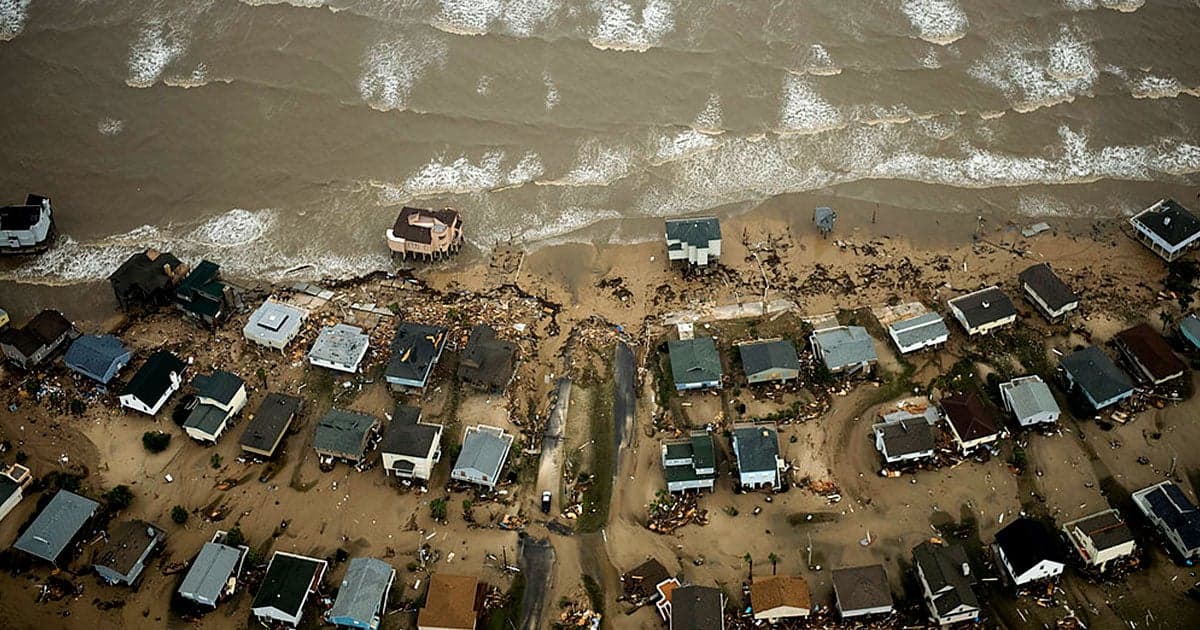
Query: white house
point(1167, 228)
point(1028, 551)
point(410, 447)
point(340, 347)
point(219, 397)
point(690, 463)
point(286, 587)
point(1030, 400)
point(927, 330)
point(1101, 538)
point(695, 241)
point(1174, 515)
point(1046, 291)
point(779, 597)
point(149, 389)
point(274, 324)
point(983, 311)
point(904, 436)
point(945, 576)
point(12, 486)
point(756, 447)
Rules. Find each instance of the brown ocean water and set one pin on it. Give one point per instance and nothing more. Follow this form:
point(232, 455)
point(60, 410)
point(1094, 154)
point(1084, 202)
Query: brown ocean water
point(267, 135)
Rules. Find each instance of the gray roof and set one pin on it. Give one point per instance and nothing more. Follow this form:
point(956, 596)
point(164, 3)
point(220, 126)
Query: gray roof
point(8, 487)
point(1190, 325)
point(1029, 396)
point(922, 328)
point(861, 588)
point(766, 355)
point(207, 418)
point(694, 360)
point(694, 232)
point(93, 355)
point(845, 346)
point(1096, 374)
point(1106, 529)
point(56, 525)
point(274, 322)
point(415, 348)
point(942, 566)
point(484, 450)
point(272, 418)
point(341, 343)
point(905, 437)
point(984, 306)
point(697, 608)
point(1048, 286)
point(756, 447)
point(210, 572)
point(362, 590)
point(220, 386)
point(407, 435)
point(341, 431)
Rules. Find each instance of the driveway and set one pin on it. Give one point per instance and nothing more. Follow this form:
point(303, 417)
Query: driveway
point(625, 397)
point(537, 565)
point(550, 466)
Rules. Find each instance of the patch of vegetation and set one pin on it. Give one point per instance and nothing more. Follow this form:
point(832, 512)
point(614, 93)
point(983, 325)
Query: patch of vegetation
point(215, 460)
point(787, 413)
point(437, 509)
point(234, 537)
point(58, 480)
point(1019, 459)
point(1181, 280)
point(598, 496)
point(119, 497)
point(595, 593)
point(156, 441)
point(77, 407)
point(509, 615)
point(960, 377)
point(179, 514)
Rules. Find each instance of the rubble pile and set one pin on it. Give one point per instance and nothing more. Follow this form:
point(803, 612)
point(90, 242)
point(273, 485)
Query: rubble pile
point(670, 513)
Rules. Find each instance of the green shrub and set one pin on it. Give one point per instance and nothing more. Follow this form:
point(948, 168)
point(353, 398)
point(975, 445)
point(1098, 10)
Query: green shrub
point(179, 514)
point(156, 441)
point(119, 497)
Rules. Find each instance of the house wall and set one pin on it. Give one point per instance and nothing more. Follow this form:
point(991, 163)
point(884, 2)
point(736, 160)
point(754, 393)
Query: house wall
point(1157, 245)
point(695, 255)
point(1038, 418)
point(32, 236)
point(964, 614)
point(919, 345)
point(861, 612)
point(1044, 308)
point(341, 367)
point(759, 479)
point(1100, 557)
point(271, 612)
point(10, 503)
point(698, 484)
point(197, 434)
point(773, 374)
point(472, 477)
point(893, 459)
point(682, 387)
point(422, 466)
point(781, 612)
point(153, 408)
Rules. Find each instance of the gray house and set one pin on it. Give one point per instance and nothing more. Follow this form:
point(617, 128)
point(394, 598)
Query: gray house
point(904, 436)
point(56, 526)
point(98, 357)
point(756, 448)
point(846, 349)
point(1174, 516)
point(123, 558)
point(766, 361)
point(483, 453)
point(147, 279)
point(487, 362)
point(945, 577)
point(362, 597)
point(1097, 377)
point(861, 591)
point(30, 345)
point(213, 574)
point(697, 608)
point(270, 423)
point(340, 347)
point(416, 348)
point(983, 311)
point(274, 324)
point(1047, 292)
point(927, 330)
point(695, 363)
point(1167, 228)
point(343, 434)
point(1030, 400)
point(696, 242)
point(289, 581)
point(690, 463)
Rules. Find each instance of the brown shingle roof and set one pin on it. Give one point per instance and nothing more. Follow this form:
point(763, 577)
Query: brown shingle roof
point(970, 416)
point(450, 602)
point(780, 590)
point(1151, 351)
point(403, 229)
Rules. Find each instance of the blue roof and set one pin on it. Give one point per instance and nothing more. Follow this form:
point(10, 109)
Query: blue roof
point(97, 356)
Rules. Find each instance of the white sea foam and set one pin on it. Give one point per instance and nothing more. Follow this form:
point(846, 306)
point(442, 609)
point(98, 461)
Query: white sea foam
point(1124, 6)
point(622, 27)
point(235, 228)
point(552, 95)
point(198, 77)
point(490, 171)
point(937, 21)
point(1032, 77)
point(157, 45)
point(13, 14)
point(484, 85)
point(1160, 87)
point(597, 163)
point(1071, 59)
point(682, 144)
point(804, 110)
point(475, 17)
point(710, 120)
point(1042, 205)
point(1178, 159)
point(391, 67)
point(527, 170)
point(818, 62)
point(110, 126)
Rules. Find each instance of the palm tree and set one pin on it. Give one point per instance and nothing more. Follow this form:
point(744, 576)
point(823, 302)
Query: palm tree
point(774, 560)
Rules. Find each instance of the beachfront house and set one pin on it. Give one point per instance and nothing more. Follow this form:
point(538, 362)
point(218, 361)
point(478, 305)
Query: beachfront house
point(123, 557)
point(147, 279)
point(274, 324)
point(269, 424)
point(1101, 538)
point(904, 436)
point(927, 330)
point(56, 526)
point(410, 447)
point(1096, 377)
point(484, 451)
point(690, 463)
point(415, 349)
point(1146, 350)
point(203, 297)
point(214, 573)
point(1189, 329)
point(344, 435)
point(453, 602)
point(27, 228)
point(862, 591)
point(697, 608)
point(219, 397)
point(31, 345)
point(1167, 228)
point(845, 349)
point(425, 234)
point(972, 421)
point(649, 583)
point(695, 363)
point(339, 347)
point(695, 242)
point(289, 581)
point(1174, 516)
point(1029, 399)
point(12, 487)
point(98, 357)
point(159, 377)
point(756, 449)
point(769, 361)
point(362, 597)
point(487, 362)
point(1028, 551)
point(780, 597)
point(983, 311)
point(945, 577)
point(1047, 292)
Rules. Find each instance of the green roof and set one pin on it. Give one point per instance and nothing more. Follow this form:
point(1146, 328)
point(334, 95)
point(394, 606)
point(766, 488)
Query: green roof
point(684, 473)
point(679, 450)
point(702, 451)
point(694, 361)
point(287, 582)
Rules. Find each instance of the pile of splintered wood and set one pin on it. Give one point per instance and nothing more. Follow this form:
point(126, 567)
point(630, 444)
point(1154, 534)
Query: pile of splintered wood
point(674, 512)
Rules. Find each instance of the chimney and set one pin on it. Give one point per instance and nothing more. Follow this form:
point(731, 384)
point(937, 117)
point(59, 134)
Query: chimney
point(1166, 221)
point(966, 569)
point(986, 304)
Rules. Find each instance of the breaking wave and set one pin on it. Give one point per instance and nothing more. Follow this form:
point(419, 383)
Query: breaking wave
point(806, 111)
point(939, 22)
point(622, 27)
point(392, 66)
point(1034, 77)
point(13, 14)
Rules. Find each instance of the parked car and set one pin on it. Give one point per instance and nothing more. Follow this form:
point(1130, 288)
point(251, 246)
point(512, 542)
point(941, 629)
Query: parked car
point(546, 502)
